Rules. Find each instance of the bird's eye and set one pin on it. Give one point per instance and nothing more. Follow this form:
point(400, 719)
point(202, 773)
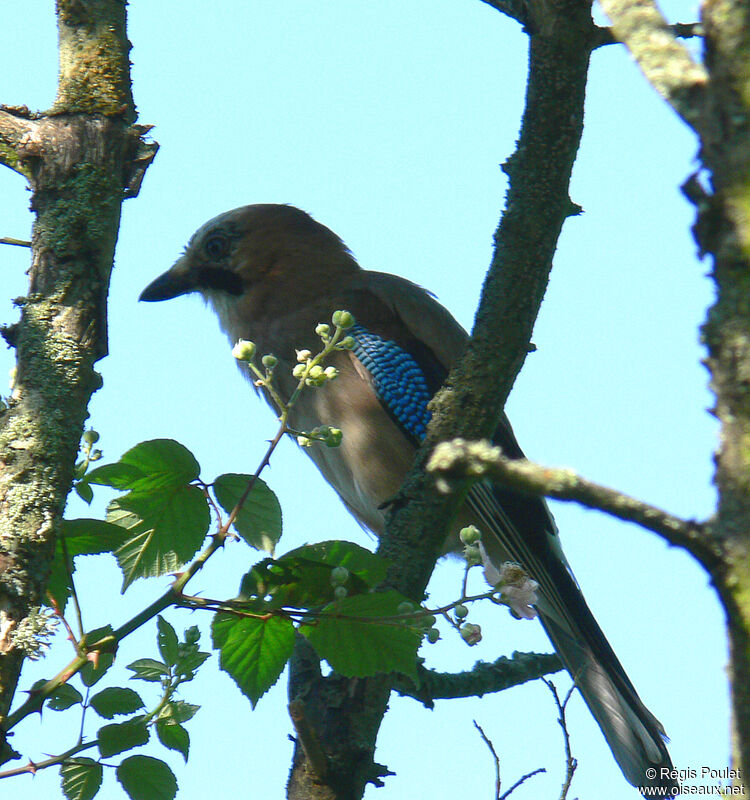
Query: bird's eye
point(216, 246)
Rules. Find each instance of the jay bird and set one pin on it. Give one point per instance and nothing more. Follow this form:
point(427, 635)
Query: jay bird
point(271, 274)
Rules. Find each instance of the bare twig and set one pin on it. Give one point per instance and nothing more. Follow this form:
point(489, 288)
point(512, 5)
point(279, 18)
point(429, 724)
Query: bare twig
point(521, 780)
point(16, 242)
point(666, 63)
point(492, 750)
point(681, 30)
point(459, 460)
point(570, 762)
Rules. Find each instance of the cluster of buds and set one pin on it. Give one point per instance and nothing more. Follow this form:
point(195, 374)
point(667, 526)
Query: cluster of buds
point(330, 437)
point(339, 578)
point(314, 375)
point(471, 537)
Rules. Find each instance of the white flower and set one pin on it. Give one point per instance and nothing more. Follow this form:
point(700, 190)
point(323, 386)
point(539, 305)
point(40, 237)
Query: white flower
point(517, 589)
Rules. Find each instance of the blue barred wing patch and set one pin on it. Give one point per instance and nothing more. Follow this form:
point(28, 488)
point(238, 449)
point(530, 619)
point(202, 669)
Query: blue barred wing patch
point(398, 380)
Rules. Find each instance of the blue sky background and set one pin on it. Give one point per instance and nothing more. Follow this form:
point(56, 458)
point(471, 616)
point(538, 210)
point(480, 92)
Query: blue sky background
point(388, 122)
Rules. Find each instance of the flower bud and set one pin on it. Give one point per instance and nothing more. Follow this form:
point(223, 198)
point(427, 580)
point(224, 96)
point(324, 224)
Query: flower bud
point(90, 437)
point(339, 576)
point(472, 554)
point(299, 370)
point(323, 330)
point(244, 350)
point(303, 355)
point(470, 633)
point(334, 437)
point(461, 611)
point(433, 635)
point(331, 373)
point(470, 534)
point(343, 320)
point(347, 343)
point(269, 361)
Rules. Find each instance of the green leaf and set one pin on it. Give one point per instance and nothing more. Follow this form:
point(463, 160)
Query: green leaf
point(166, 638)
point(84, 491)
point(173, 736)
point(95, 670)
point(149, 466)
point(92, 672)
point(366, 565)
point(90, 536)
point(179, 711)
point(253, 651)
point(189, 661)
point(355, 643)
point(292, 582)
point(148, 669)
point(81, 778)
point(146, 778)
point(64, 697)
point(166, 529)
point(116, 700)
point(82, 537)
point(259, 520)
point(121, 736)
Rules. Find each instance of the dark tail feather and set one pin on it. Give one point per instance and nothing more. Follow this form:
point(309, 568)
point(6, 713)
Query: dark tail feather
point(633, 733)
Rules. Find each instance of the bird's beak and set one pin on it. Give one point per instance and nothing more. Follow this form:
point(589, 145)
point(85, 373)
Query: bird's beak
point(172, 283)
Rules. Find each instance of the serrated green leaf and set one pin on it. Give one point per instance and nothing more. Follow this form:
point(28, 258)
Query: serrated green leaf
point(82, 537)
point(149, 466)
point(253, 651)
point(292, 582)
point(116, 700)
point(179, 711)
point(166, 529)
point(64, 697)
point(167, 641)
point(90, 536)
point(121, 736)
point(259, 520)
point(366, 565)
point(84, 491)
point(173, 736)
point(146, 778)
point(148, 669)
point(81, 778)
point(349, 635)
point(118, 476)
point(189, 661)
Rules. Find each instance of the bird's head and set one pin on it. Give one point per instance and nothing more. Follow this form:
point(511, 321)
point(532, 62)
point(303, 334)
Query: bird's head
point(256, 263)
point(245, 248)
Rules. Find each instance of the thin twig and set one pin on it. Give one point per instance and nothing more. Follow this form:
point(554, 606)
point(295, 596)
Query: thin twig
point(521, 780)
point(494, 756)
point(570, 762)
point(16, 242)
point(681, 30)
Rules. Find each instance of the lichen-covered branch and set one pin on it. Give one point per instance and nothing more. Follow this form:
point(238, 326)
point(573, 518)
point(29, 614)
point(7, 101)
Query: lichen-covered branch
point(665, 62)
point(78, 160)
point(482, 679)
point(455, 462)
point(15, 128)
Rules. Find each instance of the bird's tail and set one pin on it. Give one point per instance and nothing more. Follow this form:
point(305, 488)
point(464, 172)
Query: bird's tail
point(523, 531)
point(633, 733)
